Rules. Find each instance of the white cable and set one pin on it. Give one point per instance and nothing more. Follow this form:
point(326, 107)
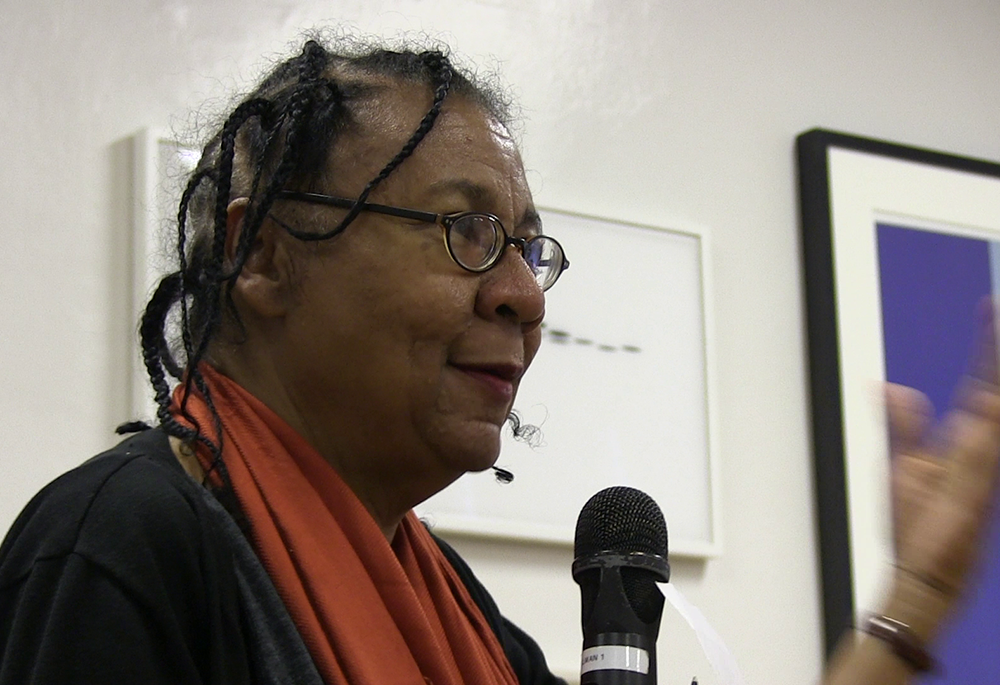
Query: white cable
point(715, 649)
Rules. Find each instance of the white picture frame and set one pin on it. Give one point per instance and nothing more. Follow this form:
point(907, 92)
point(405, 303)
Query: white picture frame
point(160, 169)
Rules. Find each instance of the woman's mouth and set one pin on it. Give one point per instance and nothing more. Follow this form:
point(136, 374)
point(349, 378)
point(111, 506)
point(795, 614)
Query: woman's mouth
point(497, 379)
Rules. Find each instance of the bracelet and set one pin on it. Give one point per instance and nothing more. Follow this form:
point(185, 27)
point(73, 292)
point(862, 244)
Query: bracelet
point(902, 640)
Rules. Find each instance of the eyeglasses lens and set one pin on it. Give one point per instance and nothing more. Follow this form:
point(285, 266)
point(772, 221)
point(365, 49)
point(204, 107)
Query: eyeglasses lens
point(475, 240)
point(545, 257)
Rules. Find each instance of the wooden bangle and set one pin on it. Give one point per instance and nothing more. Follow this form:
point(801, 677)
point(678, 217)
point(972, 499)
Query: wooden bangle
point(902, 640)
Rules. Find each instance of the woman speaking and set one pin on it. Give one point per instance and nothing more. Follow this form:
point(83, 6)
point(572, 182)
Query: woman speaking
point(359, 289)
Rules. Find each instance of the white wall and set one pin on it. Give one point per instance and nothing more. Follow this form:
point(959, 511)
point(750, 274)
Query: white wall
point(653, 112)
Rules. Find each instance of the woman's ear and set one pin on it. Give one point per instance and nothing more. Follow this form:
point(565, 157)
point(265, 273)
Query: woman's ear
point(235, 213)
point(263, 286)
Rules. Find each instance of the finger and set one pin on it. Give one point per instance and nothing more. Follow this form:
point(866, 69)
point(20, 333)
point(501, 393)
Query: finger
point(909, 415)
point(918, 475)
point(985, 366)
point(974, 426)
point(973, 457)
point(914, 479)
point(975, 413)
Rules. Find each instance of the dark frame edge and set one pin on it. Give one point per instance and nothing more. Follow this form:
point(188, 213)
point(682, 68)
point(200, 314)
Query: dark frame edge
point(829, 461)
point(827, 139)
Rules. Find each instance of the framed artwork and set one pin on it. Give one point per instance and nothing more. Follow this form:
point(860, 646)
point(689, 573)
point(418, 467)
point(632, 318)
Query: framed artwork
point(160, 167)
point(901, 245)
point(621, 391)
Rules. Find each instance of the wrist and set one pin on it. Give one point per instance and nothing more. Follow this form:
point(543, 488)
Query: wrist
point(919, 604)
point(900, 639)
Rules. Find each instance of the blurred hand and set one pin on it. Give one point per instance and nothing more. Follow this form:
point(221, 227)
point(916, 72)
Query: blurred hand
point(944, 476)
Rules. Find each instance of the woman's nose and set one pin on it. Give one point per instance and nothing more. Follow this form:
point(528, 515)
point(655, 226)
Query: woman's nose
point(509, 290)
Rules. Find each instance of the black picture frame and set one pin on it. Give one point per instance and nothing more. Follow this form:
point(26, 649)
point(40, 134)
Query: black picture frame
point(825, 307)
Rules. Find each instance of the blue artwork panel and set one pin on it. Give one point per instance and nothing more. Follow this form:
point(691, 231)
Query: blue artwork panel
point(931, 286)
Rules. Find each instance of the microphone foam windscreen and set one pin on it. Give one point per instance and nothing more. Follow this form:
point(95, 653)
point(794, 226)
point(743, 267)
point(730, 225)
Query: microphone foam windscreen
point(620, 520)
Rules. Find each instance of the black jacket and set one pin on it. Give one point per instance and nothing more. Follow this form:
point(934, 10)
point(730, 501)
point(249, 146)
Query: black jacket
point(125, 570)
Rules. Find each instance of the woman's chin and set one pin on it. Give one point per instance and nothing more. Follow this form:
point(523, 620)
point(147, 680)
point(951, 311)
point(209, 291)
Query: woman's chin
point(474, 452)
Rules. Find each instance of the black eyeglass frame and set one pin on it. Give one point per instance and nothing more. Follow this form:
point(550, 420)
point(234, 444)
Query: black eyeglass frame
point(446, 221)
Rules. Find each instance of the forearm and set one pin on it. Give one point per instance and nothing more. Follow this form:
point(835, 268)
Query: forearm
point(868, 660)
point(862, 659)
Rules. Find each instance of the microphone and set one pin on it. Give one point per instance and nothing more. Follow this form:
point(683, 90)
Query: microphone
point(621, 553)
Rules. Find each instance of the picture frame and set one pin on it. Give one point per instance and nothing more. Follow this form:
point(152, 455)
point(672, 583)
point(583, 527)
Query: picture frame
point(621, 390)
point(898, 247)
point(160, 166)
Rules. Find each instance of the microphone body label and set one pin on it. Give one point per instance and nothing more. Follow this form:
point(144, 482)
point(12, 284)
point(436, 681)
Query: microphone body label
point(615, 658)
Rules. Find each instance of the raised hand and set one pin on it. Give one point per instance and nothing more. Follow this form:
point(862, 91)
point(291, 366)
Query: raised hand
point(944, 476)
point(944, 485)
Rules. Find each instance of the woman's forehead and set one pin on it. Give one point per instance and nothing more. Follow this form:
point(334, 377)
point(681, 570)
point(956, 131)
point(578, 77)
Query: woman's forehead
point(392, 114)
point(467, 151)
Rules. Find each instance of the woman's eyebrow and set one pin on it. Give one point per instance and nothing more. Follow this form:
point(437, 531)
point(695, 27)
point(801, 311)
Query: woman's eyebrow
point(479, 195)
point(473, 192)
point(530, 222)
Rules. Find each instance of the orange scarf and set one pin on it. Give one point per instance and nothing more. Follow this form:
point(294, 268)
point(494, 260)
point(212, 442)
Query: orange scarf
point(369, 613)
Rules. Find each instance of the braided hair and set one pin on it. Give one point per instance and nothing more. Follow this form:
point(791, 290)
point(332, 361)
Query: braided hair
point(277, 136)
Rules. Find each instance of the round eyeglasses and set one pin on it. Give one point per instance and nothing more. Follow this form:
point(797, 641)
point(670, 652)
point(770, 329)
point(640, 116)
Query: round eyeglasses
point(476, 241)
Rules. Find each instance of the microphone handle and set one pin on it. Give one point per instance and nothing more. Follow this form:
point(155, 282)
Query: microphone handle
point(618, 659)
point(619, 647)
